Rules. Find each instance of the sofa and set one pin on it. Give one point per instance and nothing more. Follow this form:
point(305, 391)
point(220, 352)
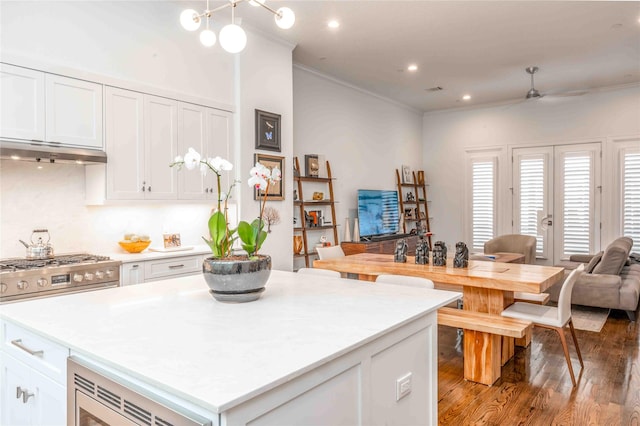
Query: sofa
point(611, 279)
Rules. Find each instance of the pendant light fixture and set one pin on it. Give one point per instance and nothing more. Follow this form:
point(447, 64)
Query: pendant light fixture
point(232, 37)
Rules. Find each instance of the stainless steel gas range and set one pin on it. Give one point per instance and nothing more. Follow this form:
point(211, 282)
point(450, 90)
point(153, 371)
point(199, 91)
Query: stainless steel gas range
point(22, 279)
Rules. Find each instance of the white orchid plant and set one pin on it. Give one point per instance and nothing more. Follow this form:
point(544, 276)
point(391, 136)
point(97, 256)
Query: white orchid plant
point(252, 235)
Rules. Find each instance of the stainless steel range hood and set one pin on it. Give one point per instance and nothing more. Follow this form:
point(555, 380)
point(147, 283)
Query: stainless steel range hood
point(50, 153)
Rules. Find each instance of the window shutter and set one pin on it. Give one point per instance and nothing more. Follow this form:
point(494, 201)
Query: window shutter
point(577, 206)
point(483, 203)
point(631, 196)
point(532, 184)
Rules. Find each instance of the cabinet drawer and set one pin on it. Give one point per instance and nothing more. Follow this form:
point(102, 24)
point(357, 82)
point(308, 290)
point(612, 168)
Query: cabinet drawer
point(41, 354)
point(158, 269)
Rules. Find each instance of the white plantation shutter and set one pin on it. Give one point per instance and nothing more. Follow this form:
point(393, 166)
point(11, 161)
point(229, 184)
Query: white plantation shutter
point(631, 196)
point(577, 209)
point(483, 201)
point(532, 185)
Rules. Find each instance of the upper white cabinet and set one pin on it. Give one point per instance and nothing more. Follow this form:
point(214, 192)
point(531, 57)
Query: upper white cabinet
point(141, 138)
point(208, 131)
point(73, 111)
point(21, 103)
point(41, 107)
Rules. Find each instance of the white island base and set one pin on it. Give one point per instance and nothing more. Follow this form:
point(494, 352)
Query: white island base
point(311, 351)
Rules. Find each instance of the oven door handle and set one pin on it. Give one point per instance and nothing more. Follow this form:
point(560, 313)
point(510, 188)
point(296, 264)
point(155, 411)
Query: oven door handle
point(18, 343)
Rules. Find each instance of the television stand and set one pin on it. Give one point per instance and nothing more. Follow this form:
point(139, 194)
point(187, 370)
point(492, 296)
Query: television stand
point(384, 246)
point(387, 237)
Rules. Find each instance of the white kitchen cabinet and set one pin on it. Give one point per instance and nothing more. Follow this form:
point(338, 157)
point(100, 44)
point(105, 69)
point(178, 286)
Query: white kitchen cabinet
point(73, 112)
point(208, 131)
point(33, 378)
point(159, 269)
point(141, 140)
point(42, 107)
point(131, 273)
point(21, 103)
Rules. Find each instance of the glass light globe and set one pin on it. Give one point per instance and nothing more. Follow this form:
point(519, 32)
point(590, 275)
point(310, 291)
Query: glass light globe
point(285, 18)
point(190, 20)
point(208, 38)
point(255, 2)
point(233, 38)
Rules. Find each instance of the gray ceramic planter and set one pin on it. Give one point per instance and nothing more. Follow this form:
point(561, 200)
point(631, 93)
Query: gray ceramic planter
point(238, 279)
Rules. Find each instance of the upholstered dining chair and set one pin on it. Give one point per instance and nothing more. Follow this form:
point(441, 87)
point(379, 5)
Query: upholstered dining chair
point(513, 243)
point(330, 252)
point(555, 318)
point(405, 280)
point(318, 271)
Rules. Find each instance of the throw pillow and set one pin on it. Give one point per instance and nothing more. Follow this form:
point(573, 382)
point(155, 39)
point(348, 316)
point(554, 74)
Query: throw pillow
point(614, 257)
point(592, 263)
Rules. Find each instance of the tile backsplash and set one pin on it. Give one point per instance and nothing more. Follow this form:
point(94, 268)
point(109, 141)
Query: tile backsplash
point(52, 196)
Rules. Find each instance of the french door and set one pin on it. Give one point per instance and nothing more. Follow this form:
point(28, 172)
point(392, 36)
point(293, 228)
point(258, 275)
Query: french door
point(556, 198)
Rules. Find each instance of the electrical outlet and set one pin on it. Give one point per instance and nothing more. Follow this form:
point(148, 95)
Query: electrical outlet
point(403, 386)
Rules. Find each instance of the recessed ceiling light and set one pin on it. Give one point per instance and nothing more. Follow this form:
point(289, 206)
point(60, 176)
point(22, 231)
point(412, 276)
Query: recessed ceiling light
point(15, 157)
point(39, 167)
point(333, 24)
point(412, 67)
point(466, 97)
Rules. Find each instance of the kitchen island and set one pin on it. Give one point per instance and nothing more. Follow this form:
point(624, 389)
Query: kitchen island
point(312, 350)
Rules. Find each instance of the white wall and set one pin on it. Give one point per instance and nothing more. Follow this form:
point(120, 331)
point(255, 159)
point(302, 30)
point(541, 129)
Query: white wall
point(601, 116)
point(265, 83)
point(137, 43)
point(364, 137)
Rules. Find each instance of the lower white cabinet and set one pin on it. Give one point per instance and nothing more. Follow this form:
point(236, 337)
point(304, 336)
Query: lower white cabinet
point(159, 269)
point(33, 379)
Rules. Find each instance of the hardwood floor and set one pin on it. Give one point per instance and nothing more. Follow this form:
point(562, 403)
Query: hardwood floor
point(535, 387)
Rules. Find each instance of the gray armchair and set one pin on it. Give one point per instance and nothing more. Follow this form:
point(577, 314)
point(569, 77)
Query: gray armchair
point(513, 243)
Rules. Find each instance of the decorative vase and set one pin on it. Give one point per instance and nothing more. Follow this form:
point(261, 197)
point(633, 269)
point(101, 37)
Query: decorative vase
point(347, 230)
point(237, 279)
point(297, 244)
point(356, 230)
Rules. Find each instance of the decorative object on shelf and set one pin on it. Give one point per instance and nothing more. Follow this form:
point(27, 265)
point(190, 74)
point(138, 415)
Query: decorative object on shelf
point(171, 240)
point(421, 178)
point(400, 255)
point(318, 196)
point(297, 244)
point(276, 190)
point(233, 277)
point(233, 39)
point(422, 252)
point(311, 165)
point(267, 131)
point(271, 216)
point(295, 194)
point(406, 174)
point(308, 219)
point(356, 230)
point(408, 214)
point(347, 230)
point(439, 254)
point(461, 258)
point(410, 196)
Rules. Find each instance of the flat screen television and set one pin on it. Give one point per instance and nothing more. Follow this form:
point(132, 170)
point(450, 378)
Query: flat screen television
point(378, 212)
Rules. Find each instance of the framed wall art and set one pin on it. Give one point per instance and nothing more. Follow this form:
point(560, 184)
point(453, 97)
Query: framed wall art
point(406, 174)
point(311, 165)
point(267, 131)
point(276, 192)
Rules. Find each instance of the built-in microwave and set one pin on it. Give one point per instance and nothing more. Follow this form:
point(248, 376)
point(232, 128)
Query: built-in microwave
point(93, 399)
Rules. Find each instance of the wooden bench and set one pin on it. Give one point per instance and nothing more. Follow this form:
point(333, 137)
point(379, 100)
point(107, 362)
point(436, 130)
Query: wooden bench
point(486, 323)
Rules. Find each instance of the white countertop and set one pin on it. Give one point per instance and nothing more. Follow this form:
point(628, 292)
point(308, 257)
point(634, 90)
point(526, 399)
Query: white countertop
point(174, 336)
point(126, 257)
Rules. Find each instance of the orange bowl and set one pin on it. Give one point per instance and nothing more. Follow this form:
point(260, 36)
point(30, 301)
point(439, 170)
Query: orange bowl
point(134, 246)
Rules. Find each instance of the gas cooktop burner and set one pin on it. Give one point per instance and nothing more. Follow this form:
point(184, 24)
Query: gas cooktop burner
point(71, 259)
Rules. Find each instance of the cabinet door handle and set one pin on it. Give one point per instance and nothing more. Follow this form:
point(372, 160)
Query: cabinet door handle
point(19, 392)
point(26, 395)
point(149, 188)
point(134, 266)
point(176, 266)
point(143, 188)
point(18, 343)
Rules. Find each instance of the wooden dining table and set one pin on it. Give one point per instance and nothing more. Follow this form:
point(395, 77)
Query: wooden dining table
point(486, 287)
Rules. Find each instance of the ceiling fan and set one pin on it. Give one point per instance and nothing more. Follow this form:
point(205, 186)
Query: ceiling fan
point(534, 93)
